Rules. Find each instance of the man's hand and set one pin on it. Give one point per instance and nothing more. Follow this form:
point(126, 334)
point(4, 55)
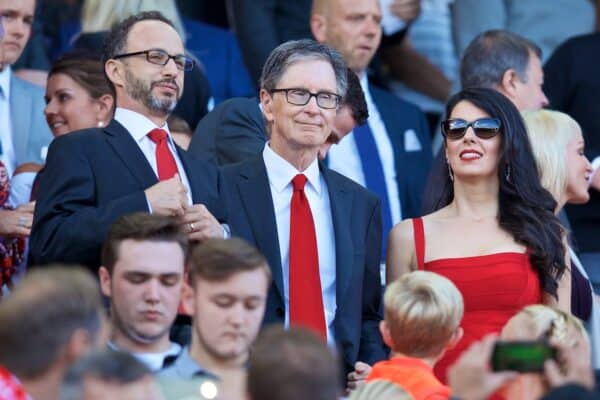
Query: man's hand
point(168, 197)
point(17, 222)
point(406, 10)
point(471, 378)
point(575, 362)
point(200, 223)
point(358, 377)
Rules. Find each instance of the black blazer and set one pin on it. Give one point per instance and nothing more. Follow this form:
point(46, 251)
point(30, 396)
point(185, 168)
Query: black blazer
point(91, 178)
point(357, 227)
point(232, 132)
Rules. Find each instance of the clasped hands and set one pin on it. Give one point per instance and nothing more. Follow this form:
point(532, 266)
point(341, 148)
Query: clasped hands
point(169, 197)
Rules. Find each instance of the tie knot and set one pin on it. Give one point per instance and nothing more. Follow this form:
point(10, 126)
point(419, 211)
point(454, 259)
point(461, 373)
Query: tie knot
point(157, 135)
point(298, 182)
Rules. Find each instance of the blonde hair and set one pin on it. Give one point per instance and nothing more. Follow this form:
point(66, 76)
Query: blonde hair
point(550, 133)
point(538, 320)
point(101, 15)
point(380, 389)
point(422, 311)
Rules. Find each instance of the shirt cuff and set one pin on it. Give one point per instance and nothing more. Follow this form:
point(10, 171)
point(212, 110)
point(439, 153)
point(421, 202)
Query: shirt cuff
point(226, 231)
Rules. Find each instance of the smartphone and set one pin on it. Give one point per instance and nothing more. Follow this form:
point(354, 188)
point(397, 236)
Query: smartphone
point(521, 356)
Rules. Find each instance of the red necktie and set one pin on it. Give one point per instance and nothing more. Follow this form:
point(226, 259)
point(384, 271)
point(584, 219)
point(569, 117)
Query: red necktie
point(165, 162)
point(306, 297)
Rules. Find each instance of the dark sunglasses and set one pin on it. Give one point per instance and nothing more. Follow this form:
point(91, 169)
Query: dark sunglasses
point(484, 128)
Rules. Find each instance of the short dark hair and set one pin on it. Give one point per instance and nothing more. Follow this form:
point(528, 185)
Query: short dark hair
point(355, 99)
point(217, 260)
point(116, 41)
point(292, 364)
point(142, 227)
point(85, 69)
point(41, 315)
point(491, 54)
point(107, 365)
point(288, 53)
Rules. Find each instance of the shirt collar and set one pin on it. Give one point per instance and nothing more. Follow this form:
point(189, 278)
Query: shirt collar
point(281, 172)
point(364, 84)
point(5, 81)
point(187, 367)
point(138, 124)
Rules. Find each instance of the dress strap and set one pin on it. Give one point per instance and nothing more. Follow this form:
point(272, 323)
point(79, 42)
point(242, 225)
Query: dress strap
point(419, 242)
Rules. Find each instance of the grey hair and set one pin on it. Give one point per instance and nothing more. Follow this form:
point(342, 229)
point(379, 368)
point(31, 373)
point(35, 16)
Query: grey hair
point(288, 53)
point(491, 54)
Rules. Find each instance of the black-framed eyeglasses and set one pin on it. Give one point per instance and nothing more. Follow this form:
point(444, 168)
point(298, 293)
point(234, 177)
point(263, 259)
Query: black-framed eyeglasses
point(301, 97)
point(484, 128)
point(161, 57)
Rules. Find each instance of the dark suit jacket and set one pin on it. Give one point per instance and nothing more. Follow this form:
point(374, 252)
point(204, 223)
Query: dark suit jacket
point(91, 178)
point(232, 132)
point(572, 84)
point(262, 25)
point(412, 167)
point(357, 226)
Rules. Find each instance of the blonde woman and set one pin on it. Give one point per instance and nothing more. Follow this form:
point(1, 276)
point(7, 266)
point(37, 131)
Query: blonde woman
point(558, 146)
point(532, 323)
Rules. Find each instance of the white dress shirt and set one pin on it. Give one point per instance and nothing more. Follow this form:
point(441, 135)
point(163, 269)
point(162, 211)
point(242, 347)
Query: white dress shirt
point(345, 159)
point(280, 174)
point(7, 155)
point(139, 126)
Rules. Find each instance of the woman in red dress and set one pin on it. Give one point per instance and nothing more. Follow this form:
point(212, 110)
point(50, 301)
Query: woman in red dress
point(494, 233)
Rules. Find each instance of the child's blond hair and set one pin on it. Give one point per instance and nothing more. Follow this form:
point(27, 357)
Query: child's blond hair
point(422, 310)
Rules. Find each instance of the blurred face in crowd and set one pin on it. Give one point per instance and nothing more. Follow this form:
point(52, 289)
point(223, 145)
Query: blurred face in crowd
point(69, 107)
point(144, 289)
point(17, 18)
point(579, 171)
point(353, 27)
point(227, 315)
point(471, 156)
point(149, 89)
point(300, 127)
point(94, 388)
point(528, 94)
point(343, 124)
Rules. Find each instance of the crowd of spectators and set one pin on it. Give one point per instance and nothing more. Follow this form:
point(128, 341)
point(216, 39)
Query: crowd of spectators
point(286, 200)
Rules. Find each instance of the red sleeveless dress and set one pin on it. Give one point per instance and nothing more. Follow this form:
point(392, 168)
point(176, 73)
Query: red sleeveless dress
point(494, 288)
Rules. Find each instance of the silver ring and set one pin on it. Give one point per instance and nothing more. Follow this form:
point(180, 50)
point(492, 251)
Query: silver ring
point(191, 227)
point(22, 221)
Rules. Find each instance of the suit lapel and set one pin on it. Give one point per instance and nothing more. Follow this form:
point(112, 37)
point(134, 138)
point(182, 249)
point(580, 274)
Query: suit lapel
point(256, 196)
point(20, 107)
point(340, 198)
point(129, 152)
point(185, 161)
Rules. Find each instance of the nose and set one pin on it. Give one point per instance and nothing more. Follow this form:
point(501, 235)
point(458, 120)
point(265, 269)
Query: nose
point(152, 291)
point(469, 134)
point(237, 314)
point(372, 27)
point(312, 107)
point(170, 68)
point(50, 108)
point(544, 100)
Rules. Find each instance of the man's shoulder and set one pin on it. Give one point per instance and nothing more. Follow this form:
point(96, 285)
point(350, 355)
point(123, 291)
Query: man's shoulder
point(243, 168)
point(335, 180)
point(385, 97)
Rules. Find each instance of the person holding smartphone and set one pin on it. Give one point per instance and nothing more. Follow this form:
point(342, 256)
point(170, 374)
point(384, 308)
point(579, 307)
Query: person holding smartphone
point(494, 234)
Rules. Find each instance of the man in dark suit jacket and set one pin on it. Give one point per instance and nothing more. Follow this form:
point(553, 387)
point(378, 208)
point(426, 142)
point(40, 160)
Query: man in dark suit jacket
point(397, 129)
point(260, 199)
point(94, 176)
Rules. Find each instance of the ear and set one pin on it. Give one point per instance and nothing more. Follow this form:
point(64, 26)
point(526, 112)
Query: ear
point(104, 276)
point(318, 27)
point(105, 107)
point(78, 345)
point(508, 84)
point(115, 72)
point(267, 105)
point(188, 298)
point(456, 336)
point(384, 329)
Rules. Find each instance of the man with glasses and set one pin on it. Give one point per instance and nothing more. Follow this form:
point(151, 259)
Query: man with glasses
point(95, 176)
point(320, 232)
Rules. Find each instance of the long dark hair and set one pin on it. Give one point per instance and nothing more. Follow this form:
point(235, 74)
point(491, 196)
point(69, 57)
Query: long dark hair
point(526, 209)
